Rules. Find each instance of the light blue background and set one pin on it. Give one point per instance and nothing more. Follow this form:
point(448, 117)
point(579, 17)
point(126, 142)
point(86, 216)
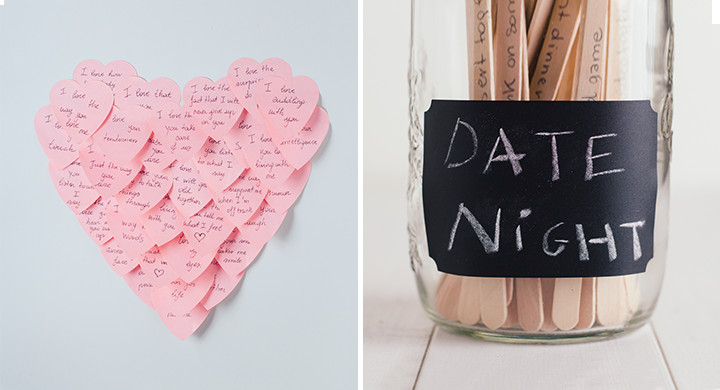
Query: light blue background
point(67, 320)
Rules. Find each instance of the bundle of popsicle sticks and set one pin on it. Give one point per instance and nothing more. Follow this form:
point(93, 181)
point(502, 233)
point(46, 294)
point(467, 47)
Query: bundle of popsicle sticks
point(571, 48)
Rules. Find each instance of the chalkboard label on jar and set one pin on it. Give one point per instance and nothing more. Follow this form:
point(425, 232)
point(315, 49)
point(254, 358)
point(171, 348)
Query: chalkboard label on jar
point(540, 189)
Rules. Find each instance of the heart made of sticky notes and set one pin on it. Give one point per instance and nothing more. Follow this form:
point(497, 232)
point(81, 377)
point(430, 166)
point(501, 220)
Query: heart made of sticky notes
point(217, 165)
point(236, 253)
point(110, 74)
point(245, 73)
point(94, 222)
point(128, 232)
point(140, 284)
point(144, 192)
point(160, 222)
point(179, 296)
point(212, 104)
point(287, 193)
point(116, 257)
point(263, 225)
point(177, 130)
point(298, 150)
point(189, 192)
point(207, 229)
point(222, 286)
point(106, 177)
point(124, 133)
point(73, 186)
point(265, 158)
point(136, 90)
point(184, 259)
point(156, 268)
point(56, 143)
point(241, 200)
point(287, 104)
point(81, 108)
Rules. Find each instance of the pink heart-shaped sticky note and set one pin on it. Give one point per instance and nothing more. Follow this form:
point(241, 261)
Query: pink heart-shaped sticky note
point(94, 222)
point(73, 186)
point(110, 74)
point(285, 195)
point(207, 229)
point(240, 201)
point(235, 138)
point(56, 143)
point(106, 177)
point(155, 156)
point(81, 109)
point(158, 270)
point(181, 325)
point(177, 130)
point(140, 283)
point(124, 133)
point(144, 192)
point(120, 262)
point(179, 296)
point(244, 74)
point(189, 192)
point(160, 222)
point(265, 158)
point(135, 90)
point(298, 151)
point(184, 259)
point(263, 225)
point(287, 104)
point(128, 232)
point(213, 105)
point(217, 165)
point(222, 286)
point(236, 253)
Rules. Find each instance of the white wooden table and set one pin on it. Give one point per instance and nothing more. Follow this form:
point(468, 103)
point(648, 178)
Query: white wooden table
point(678, 349)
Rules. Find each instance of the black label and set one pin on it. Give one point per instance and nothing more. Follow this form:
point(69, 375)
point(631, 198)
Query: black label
point(540, 189)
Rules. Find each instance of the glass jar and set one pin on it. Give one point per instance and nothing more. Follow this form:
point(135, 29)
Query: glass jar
point(468, 50)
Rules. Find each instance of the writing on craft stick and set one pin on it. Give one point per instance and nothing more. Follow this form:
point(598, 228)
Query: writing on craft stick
point(481, 55)
point(508, 42)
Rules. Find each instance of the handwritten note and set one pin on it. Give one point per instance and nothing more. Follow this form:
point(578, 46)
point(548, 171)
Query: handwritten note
point(109, 74)
point(105, 176)
point(56, 143)
point(161, 222)
point(179, 296)
point(140, 284)
point(236, 253)
point(115, 256)
point(217, 165)
point(508, 49)
point(177, 130)
point(238, 136)
point(135, 90)
point(73, 186)
point(287, 193)
point(240, 201)
point(157, 269)
point(245, 73)
point(189, 192)
point(264, 157)
point(94, 222)
point(223, 284)
point(298, 151)
point(144, 192)
point(155, 156)
point(181, 324)
point(213, 105)
point(480, 49)
point(184, 259)
point(263, 225)
point(593, 52)
point(123, 134)
point(287, 104)
point(128, 232)
point(207, 229)
point(81, 108)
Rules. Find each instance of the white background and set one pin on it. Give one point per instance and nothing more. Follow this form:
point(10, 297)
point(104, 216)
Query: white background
point(67, 320)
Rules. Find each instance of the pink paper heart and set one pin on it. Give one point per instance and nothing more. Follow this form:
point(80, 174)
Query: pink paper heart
point(287, 104)
point(124, 133)
point(263, 225)
point(240, 201)
point(140, 283)
point(177, 130)
point(144, 192)
point(135, 90)
point(128, 232)
point(184, 259)
point(207, 229)
point(236, 253)
point(189, 192)
point(285, 195)
point(106, 177)
point(234, 138)
point(160, 222)
point(182, 325)
point(56, 143)
point(155, 156)
point(244, 74)
point(94, 222)
point(265, 158)
point(109, 74)
point(157, 270)
point(213, 105)
point(298, 151)
point(73, 186)
point(81, 109)
point(179, 296)
point(222, 286)
point(217, 165)
point(120, 262)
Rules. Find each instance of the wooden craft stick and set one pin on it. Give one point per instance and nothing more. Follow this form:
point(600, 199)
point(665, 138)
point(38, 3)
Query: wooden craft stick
point(548, 289)
point(448, 297)
point(612, 300)
point(493, 309)
point(480, 49)
point(587, 304)
point(508, 51)
point(528, 294)
point(510, 285)
point(592, 60)
point(619, 50)
point(632, 286)
point(567, 82)
point(566, 302)
point(529, 9)
point(526, 74)
point(536, 30)
point(469, 305)
point(556, 47)
point(512, 311)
